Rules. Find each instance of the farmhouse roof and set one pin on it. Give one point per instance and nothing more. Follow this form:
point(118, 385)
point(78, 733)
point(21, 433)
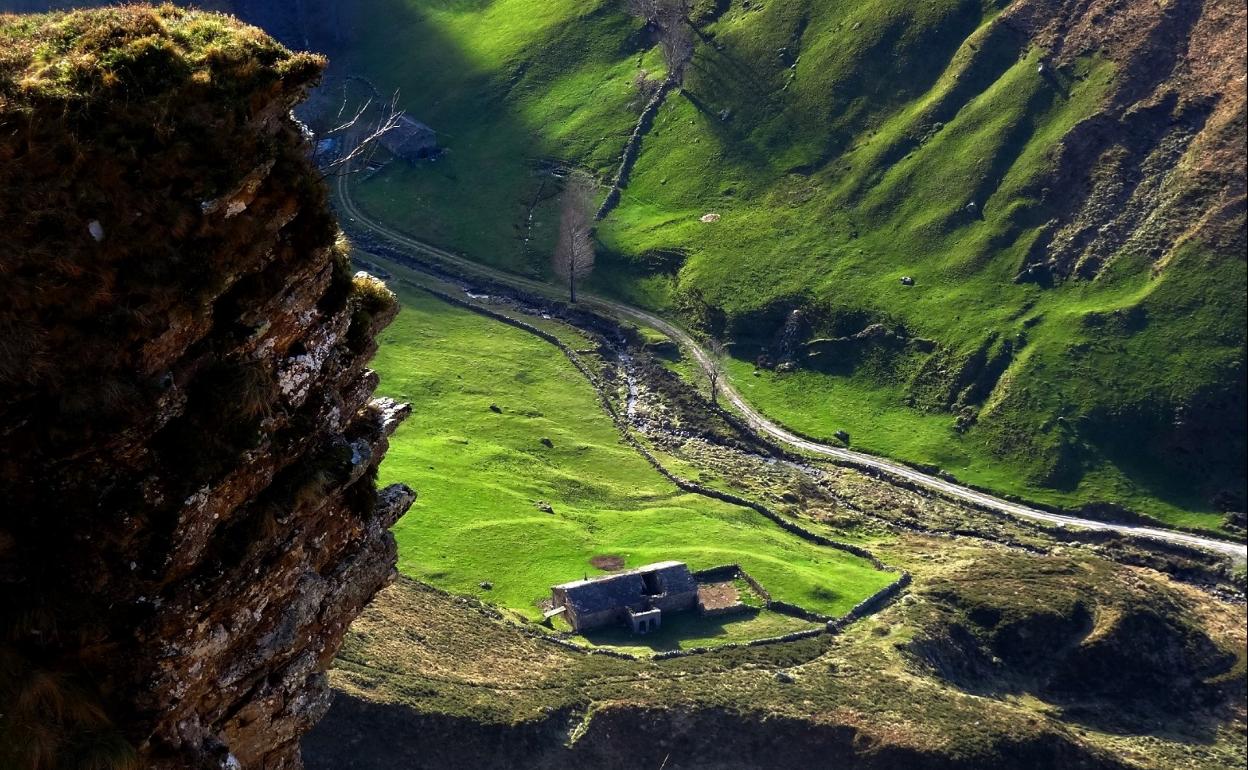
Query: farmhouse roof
point(409, 137)
point(624, 588)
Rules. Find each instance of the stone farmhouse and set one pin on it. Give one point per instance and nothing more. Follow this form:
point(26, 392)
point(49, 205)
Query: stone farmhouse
point(638, 597)
point(411, 140)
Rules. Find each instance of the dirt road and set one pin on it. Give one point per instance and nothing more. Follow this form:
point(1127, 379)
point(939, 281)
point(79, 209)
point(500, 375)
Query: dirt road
point(942, 487)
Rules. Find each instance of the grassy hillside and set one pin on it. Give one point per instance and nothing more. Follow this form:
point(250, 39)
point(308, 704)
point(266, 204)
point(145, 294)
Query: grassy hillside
point(484, 477)
point(465, 690)
point(844, 146)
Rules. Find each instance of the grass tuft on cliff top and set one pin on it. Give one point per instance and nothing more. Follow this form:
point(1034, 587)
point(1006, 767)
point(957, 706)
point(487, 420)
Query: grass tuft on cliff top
point(83, 55)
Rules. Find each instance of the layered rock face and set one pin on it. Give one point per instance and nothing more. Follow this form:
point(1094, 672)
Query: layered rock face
point(188, 442)
point(1164, 160)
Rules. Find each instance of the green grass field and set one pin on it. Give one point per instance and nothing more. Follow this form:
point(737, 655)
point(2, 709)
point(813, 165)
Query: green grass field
point(481, 473)
point(841, 144)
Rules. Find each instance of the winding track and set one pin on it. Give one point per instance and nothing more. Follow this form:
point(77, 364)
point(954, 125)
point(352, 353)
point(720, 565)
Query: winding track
point(946, 489)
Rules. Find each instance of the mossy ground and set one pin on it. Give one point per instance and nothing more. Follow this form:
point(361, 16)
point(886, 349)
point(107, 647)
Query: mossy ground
point(81, 56)
point(840, 144)
point(483, 473)
point(426, 655)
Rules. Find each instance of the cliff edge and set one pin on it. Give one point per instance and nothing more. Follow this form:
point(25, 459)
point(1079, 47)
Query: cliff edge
point(188, 440)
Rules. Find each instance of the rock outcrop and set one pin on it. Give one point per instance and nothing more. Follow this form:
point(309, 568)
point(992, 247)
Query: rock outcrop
point(188, 440)
point(1107, 647)
point(1163, 160)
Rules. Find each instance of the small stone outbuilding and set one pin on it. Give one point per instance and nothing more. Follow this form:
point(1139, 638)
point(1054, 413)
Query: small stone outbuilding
point(637, 597)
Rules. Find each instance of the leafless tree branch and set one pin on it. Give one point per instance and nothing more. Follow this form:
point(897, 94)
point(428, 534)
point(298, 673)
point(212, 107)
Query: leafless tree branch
point(717, 354)
point(362, 134)
point(671, 20)
point(574, 250)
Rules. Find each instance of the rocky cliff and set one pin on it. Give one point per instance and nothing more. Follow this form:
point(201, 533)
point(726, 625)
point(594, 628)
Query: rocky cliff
point(188, 442)
point(1162, 161)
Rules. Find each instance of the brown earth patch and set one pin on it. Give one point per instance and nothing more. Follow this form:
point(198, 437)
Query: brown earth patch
point(718, 596)
point(608, 562)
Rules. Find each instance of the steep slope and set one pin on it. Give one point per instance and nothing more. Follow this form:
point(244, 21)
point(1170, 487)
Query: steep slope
point(190, 516)
point(1062, 183)
point(432, 681)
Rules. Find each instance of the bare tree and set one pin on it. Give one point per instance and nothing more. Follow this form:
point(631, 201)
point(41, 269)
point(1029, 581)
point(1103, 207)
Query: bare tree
point(676, 39)
point(716, 354)
point(670, 18)
point(647, 10)
point(361, 132)
point(574, 251)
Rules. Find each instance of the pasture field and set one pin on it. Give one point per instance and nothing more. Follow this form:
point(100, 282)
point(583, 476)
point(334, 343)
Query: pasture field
point(485, 477)
point(843, 146)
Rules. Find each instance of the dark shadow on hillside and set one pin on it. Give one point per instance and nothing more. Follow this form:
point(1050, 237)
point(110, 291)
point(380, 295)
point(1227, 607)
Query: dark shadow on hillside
point(1190, 461)
point(675, 630)
point(768, 118)
point(495, 155)
point(1114, 662)
point(468, 98)
point(362, 734)
point(1059, 81)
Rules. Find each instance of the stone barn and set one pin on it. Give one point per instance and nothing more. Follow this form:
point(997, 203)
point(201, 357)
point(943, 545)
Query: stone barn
point(411, 140)
point(638, 597)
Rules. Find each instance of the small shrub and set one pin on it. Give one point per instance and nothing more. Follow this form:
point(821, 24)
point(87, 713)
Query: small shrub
point(340, 252)
point(372, 294)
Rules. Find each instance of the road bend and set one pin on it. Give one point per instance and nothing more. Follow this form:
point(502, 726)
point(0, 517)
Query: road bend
point(943, 487)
